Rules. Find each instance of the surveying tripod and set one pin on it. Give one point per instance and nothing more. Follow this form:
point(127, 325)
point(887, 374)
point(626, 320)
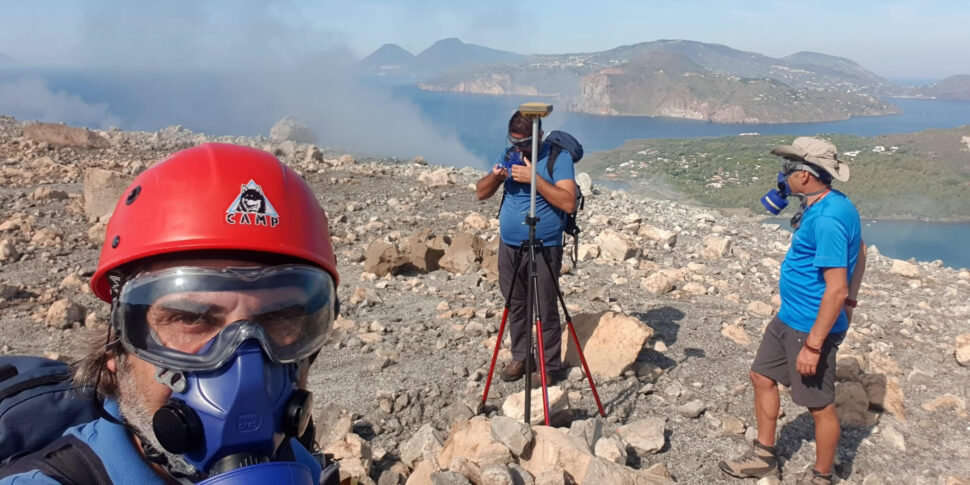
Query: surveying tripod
point(536, 111)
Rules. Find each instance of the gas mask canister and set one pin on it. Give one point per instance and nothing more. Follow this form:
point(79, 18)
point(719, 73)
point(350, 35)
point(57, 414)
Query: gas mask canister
point(776, 199)
point(229, 342)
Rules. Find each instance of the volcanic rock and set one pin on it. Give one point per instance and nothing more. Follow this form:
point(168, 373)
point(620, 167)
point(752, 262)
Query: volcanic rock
point(292, 129)
point(610, 342)
point(59, 135)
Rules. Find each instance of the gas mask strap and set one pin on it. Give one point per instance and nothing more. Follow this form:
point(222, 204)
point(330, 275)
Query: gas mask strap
point(813, 194)
point(174, 380)
point(796, 219)
point(153, 455)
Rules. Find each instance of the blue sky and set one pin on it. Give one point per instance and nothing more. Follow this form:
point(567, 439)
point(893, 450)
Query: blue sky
point(897, 39)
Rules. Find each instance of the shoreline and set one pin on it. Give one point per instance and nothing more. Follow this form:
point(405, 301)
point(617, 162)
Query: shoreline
point(418, 86)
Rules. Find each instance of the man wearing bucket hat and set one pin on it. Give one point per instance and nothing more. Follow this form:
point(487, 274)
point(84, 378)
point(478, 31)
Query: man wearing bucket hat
point(221, 277)
point(820, 279)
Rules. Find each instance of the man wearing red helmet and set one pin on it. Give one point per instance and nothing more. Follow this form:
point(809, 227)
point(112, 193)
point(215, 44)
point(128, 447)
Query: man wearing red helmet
point(222, 282)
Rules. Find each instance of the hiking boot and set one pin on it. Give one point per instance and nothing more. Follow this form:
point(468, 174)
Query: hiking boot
point(553, 377)
point(759, 461)
point(812, 477)
point(513, 371)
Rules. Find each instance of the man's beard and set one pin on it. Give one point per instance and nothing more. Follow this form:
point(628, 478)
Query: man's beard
point(138, 417)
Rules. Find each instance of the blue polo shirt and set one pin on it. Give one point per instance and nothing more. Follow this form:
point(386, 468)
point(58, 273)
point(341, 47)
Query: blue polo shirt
point(828, 237)
point(515, 208)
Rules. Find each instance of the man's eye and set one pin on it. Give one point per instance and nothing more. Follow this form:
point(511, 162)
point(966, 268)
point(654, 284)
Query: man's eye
point(188, 318)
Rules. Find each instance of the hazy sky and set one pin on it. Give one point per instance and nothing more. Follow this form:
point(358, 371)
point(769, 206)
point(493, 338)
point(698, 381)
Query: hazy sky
point(238, 66)
point(923, 39)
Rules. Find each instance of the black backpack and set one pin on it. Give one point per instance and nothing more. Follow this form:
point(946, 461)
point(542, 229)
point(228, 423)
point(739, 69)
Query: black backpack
point(37, 404)
point(560, 141)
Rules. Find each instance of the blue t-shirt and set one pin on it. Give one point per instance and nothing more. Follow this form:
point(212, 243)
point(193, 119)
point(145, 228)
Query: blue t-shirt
point(828, 237)
point(122, 461)
point(515, 208)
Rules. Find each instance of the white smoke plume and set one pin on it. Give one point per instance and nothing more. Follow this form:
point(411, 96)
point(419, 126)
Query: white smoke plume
point(30, 98)
point(225, 67)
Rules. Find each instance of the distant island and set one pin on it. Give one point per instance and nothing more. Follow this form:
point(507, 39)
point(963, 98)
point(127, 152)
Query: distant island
point(670, 78)
point(916, 176)
point(955, 88)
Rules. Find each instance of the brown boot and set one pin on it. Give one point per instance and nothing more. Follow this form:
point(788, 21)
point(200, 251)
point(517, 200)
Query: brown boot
point(553, 377)
point(759, 461)
point(513, 371)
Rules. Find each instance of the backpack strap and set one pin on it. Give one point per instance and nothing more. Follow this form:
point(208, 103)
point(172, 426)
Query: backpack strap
point(8, 372)
point(67, 460)
point(554, 151)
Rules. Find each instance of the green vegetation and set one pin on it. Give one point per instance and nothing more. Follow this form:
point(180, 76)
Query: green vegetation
point(923, 175)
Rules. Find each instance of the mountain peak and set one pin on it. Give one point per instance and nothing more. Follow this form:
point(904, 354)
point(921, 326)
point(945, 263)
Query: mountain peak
point(810, 56)
point(450, 41)
point(450, 53)
point(387, 55)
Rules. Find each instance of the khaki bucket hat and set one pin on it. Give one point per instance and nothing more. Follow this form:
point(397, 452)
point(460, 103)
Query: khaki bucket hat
point(816, 151)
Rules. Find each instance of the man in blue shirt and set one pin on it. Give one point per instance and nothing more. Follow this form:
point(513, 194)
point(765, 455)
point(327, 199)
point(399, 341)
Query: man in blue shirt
point(820, 279)
point(555, 197)
point(221, 277)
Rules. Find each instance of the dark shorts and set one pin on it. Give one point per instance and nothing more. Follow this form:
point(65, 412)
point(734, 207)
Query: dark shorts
point(776, 360)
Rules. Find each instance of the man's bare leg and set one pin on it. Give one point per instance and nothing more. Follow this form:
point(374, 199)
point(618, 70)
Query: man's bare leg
point(827, 430)
point(767, 405)
point(759, 460)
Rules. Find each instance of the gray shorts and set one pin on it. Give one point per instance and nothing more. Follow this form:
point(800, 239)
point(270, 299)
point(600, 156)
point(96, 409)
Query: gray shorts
point(776, 360)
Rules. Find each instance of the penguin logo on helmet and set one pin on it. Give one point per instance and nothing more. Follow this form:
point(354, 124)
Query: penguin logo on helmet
point(251, 207)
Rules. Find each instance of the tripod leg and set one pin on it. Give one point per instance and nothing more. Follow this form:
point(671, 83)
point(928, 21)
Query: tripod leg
point(498, 343)
point(534, 281)
point(579, 348)
point(531, 314)
point(501, 328)
point(542, 372)
point(589, 375)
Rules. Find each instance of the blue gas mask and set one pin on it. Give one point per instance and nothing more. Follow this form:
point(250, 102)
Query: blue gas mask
point(512, 157)
point(235, 416)
point(235, 394)
point(776, 199)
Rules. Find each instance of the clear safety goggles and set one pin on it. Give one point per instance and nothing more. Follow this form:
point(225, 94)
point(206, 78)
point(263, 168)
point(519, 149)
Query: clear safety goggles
point(789, 167)
point(193, 318)
point(523, 143)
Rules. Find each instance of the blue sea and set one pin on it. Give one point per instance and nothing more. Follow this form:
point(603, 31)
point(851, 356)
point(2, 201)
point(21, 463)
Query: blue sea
point(923, 241)
point(226, 104)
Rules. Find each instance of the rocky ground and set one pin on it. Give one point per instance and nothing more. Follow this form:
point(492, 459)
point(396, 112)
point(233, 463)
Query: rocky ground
point(690, 289)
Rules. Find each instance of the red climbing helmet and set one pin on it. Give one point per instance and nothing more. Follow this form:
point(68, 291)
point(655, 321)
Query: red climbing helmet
point(215, 197)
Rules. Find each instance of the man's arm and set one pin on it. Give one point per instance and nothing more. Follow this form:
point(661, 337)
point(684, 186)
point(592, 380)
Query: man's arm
point(836, 291)
point(561, 195)
point(488, 184)
point(860, 269)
